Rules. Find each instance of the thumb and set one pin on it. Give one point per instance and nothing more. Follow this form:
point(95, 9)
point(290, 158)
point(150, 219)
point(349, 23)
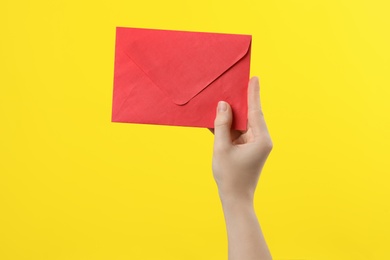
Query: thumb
point(222, 124)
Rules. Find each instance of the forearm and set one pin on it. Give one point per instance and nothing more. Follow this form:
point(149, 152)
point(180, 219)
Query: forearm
point(245, 238)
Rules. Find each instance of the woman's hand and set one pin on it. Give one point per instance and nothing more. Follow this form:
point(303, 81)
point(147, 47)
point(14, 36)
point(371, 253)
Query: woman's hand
point(239, 156)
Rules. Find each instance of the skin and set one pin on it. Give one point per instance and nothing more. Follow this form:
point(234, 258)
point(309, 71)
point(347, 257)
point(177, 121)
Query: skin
point(238, 159)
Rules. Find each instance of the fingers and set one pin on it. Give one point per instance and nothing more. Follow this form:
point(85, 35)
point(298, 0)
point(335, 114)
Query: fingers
point(222, 125)
point(254, 94)
point(255, 114)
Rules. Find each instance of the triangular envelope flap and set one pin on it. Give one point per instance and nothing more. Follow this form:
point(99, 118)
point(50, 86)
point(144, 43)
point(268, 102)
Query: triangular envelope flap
point(182, 63)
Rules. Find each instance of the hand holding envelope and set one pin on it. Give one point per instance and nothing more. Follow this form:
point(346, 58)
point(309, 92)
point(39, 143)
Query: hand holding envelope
point(177, 78)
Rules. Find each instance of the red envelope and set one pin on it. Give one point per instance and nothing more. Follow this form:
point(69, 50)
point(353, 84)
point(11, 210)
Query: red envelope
point(177, 78)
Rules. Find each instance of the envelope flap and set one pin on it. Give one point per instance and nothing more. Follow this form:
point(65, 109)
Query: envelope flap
point(182, 64)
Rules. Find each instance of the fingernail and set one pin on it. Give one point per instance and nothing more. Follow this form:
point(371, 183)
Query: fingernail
point(222, 106)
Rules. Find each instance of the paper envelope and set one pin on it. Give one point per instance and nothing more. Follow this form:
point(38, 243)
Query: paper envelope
point(177, 78)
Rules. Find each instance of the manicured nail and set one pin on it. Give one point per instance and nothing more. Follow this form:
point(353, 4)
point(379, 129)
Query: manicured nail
point(222, 106)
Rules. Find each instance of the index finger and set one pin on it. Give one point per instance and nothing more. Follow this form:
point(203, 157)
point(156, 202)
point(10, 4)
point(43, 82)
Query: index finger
point(254, 94)
point(255, 114)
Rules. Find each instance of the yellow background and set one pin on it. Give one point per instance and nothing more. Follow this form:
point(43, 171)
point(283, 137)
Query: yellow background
point(73, 185)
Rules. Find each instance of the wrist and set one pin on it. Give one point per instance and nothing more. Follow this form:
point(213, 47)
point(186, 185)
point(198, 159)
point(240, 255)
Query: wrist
point(236, 209)
point(230, 199)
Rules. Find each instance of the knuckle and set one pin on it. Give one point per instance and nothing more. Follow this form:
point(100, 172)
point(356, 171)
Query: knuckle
point(256, 112)
point(268, 144)
point(220, 121)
